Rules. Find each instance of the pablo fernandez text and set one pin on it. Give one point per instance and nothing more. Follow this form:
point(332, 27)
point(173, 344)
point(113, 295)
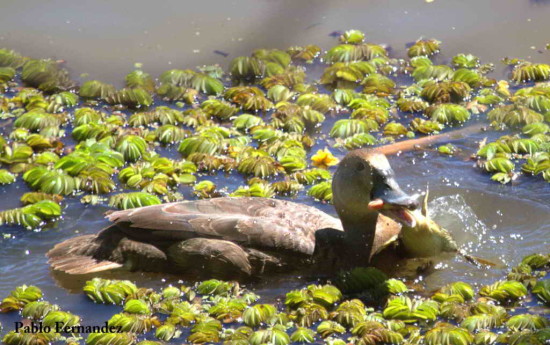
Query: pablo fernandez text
point(60, 327)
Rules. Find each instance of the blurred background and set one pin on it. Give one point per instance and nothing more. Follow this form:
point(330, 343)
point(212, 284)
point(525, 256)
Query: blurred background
point(104, 38)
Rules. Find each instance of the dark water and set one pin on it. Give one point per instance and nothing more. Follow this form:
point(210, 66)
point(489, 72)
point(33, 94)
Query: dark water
point(105, 38)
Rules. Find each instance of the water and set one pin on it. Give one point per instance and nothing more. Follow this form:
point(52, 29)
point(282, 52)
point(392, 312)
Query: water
point(105, 38)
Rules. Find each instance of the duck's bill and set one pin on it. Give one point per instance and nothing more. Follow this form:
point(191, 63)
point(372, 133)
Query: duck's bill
point(392, 202)
point(401, 215)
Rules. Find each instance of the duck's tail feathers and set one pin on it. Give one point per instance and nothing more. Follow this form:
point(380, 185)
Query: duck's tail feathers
point(478, 262)
point(75, 256)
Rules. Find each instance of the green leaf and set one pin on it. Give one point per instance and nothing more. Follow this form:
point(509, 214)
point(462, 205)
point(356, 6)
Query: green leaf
point(448, 113)
point(135, 306)
point(97, 89)
point(124, 201)
point(504, 291)
point(302, 335)
point(542, 290)
point(499, 164)
point(6, 177)
point(109, 291)
point(526, 321)
point(446, 334)
point(424, 48)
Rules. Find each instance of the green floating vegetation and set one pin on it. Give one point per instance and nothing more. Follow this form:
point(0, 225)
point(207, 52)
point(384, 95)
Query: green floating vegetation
point(125, 201)
point(424, 48)
point(263, 118)
point(216, 311)
point(32, 216)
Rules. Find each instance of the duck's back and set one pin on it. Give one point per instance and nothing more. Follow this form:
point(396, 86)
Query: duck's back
point(234, 232)
point(254, 222)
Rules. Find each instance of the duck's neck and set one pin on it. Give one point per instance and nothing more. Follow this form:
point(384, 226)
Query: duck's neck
point(360, 232)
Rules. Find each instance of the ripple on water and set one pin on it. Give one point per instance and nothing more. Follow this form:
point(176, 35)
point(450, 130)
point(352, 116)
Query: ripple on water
point(489, 233)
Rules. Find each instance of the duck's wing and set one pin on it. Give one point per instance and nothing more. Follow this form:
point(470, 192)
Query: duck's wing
point(254, 222)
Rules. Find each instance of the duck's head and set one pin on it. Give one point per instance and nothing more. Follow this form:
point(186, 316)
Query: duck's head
point(364, 185)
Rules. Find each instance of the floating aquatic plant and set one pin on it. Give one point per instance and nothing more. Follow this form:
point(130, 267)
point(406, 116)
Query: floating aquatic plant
point(10, 58)
point(465, 61)
point(346, 75)
point(172, 92)
point(170, 134)
point(109, 291)
point(514, 115)
point(31, 216)
point(259, 166)
point(247, 68)
point(38, 119)
point(352, 37)
point(321, 191)
point(258, 314)
point(218, 109)
point(125, 201)
point(378, 84)
point(499, 164)
point(20, 297)
point(424, 48)
point(38, 309)
point(97, 90)
point(356, 141)
point(178, 81)
point(347, 128)
point(131, 97)
point(448, 149)
point(124, 338)
point(448, 113)
point(132, 147)
point(468, 76)
point(138, 78)
point(542, 290)
point(447, 334)
point(206, 143)
point(6, 177)
point(531, 72)
point(354, 52)
point(6, 74)
point(34, 197)
point(42, 338)
point(50, 181)
point(409, 310)
point(435, 72)
point(504, 291)
point(413, 105)
point(425, 126)
point(306, 53)
point(45, 75)
point(291, 78)
point(249, 98)
point(445, 92)
point(395, 129)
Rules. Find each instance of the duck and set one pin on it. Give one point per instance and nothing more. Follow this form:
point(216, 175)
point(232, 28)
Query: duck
point(231, 237)
point(426, 238)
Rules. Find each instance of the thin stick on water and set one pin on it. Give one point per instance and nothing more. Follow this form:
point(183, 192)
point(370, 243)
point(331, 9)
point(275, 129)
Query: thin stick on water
point(415, 144)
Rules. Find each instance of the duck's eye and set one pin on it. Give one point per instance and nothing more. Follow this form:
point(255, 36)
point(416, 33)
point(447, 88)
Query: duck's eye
point(360, 166)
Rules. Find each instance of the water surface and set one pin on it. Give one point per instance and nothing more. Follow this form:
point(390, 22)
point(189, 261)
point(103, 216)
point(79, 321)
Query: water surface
point(105, 38)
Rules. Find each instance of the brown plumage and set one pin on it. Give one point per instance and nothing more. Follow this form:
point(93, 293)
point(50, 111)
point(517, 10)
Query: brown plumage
point(231, 237)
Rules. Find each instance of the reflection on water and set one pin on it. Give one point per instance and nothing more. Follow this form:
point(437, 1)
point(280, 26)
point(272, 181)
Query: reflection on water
point(105, 38)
